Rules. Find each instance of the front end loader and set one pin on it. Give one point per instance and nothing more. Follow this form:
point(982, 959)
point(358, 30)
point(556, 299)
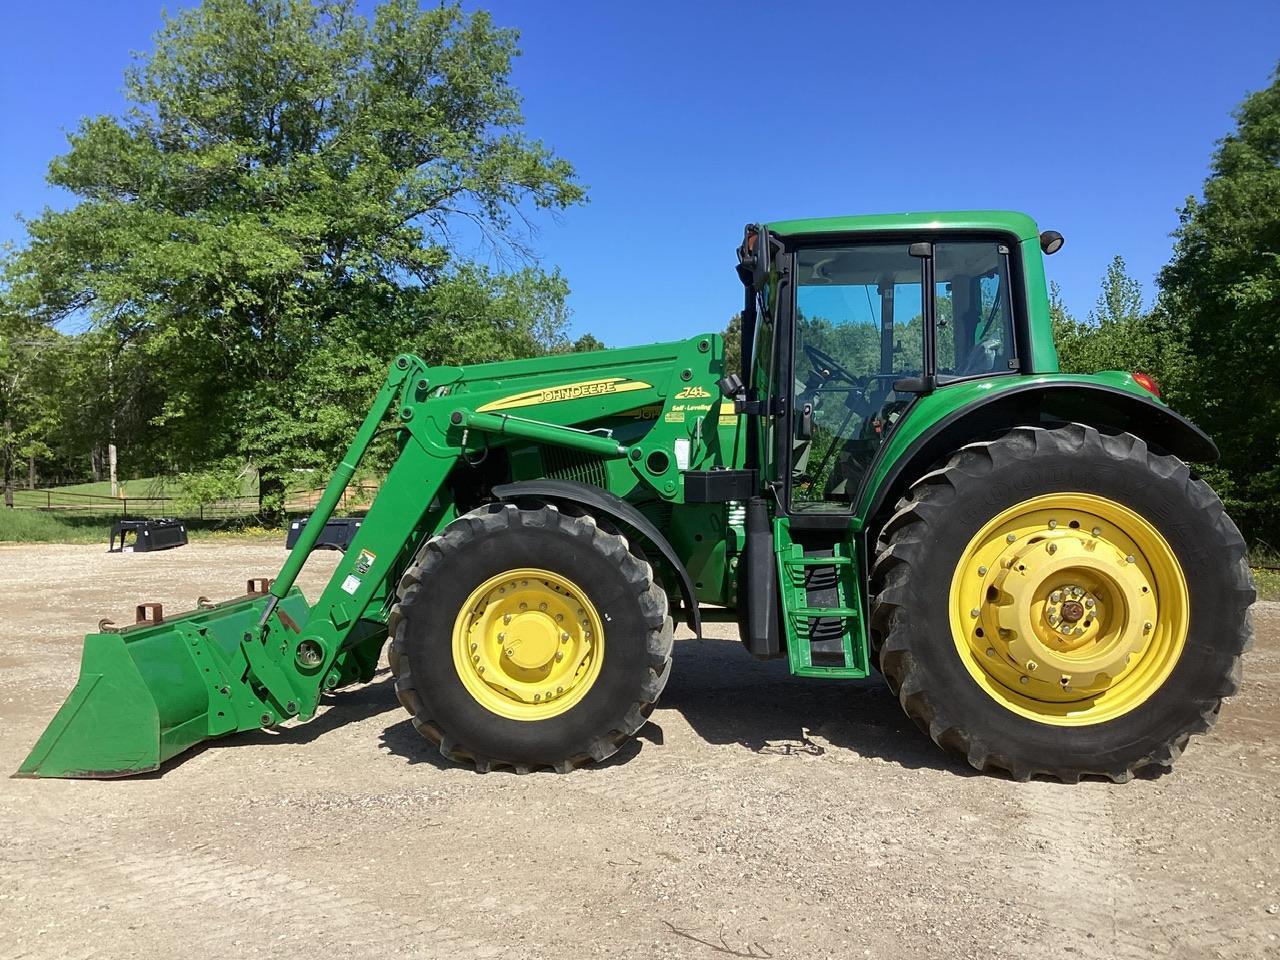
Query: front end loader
point(896, 477)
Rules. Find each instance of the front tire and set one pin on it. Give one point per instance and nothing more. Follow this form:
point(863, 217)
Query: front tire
point(1061, 602)
point(529, 638)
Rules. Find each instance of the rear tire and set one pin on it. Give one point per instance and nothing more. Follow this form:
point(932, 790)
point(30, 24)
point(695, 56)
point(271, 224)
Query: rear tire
point(1174, 642)
point(559, 562)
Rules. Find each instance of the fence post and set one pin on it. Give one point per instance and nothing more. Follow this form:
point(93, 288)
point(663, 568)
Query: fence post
point(125, 501)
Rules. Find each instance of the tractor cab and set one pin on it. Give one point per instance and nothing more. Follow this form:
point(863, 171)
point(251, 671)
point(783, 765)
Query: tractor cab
point(847, 322)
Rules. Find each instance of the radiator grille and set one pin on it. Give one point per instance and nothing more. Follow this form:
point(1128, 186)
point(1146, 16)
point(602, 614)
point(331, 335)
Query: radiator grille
point(561, 464)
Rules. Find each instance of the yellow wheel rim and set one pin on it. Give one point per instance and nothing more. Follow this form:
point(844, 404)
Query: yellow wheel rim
point(528, 644)
point(1069, 609)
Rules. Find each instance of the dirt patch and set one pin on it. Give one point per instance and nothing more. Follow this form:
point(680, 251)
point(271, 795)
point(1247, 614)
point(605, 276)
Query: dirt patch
point(757, 815)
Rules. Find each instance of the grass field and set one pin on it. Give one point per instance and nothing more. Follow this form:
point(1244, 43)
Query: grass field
point(32, 526)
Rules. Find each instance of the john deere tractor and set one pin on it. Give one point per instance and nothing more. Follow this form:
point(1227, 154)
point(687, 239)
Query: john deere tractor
point(895, 477)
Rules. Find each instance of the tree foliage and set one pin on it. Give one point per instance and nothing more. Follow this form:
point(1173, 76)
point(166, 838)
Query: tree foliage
point(24, 419)
point(1223, 283)
point(279, 214)
point(1121, 333)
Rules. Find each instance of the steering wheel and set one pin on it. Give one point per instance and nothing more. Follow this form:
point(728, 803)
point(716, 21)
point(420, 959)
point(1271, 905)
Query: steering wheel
point(828, 366)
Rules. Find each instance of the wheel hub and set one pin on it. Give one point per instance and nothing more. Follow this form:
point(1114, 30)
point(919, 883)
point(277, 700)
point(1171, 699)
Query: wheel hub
point(1069, 606)
point(531, 641)
point(1072, 611)
point(528, 644)
point(1039, 604)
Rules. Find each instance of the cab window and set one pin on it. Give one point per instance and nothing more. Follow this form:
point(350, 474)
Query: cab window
point(859, 326)
point(974, 319)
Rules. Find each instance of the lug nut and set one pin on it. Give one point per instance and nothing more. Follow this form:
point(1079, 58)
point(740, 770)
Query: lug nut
point(564, 637)
point(542, 606)
point(475, 647)
point(991, 651)
point(559, 656)
point(1011, 537)
point(1130, 559)
point(524, 606)
point(1023, 680)
point(559, 617)
point(1096, 531)
point(1055, 596)
point(1090, 603)
point(982, 571)
point(1031, 666)
point(501, 637)
point(537, 697)
point(1146, 627)
point(974, 612)
point(1052, 548)
point(1053, 524)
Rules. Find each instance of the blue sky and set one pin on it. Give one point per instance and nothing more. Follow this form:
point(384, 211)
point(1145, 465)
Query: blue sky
point(688, 120)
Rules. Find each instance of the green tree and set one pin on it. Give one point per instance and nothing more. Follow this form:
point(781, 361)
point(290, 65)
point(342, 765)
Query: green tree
point(1120, 300)
point(587, 343)
point(25, 410)
point(733, 345)
point(278, 213)
point(1120, 333)
point(1223, 284)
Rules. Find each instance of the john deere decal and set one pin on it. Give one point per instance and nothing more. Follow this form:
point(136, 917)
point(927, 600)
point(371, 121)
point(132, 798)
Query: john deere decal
point(566, 391)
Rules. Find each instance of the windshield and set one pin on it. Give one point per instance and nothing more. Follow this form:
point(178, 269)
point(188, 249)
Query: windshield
point(860, 327)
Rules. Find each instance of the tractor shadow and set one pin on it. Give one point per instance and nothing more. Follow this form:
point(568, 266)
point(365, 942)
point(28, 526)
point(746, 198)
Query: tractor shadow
point(729, 699)
point(338, 709)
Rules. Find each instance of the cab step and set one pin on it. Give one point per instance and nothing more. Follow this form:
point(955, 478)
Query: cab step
point(821, 602)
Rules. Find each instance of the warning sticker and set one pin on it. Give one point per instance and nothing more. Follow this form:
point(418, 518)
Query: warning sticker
point(351, 584)
point(365, 561)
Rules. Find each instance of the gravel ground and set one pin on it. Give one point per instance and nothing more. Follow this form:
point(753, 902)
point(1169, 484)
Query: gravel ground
point(756, 816)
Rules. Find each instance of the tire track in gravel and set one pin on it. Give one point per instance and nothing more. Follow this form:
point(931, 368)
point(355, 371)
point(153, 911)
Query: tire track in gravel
point(1087, 899)
point(1084, 905)
point(112, 890)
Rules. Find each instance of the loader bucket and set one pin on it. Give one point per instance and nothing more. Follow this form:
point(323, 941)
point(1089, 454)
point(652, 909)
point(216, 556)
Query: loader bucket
point(149, 691)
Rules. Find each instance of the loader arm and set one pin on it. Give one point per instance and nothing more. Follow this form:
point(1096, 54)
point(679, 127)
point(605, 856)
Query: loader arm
point(150, 691)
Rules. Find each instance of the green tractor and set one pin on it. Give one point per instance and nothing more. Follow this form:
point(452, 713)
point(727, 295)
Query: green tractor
point(895, 477)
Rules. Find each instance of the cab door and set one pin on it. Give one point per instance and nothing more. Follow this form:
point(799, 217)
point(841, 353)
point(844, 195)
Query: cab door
point(858, 327)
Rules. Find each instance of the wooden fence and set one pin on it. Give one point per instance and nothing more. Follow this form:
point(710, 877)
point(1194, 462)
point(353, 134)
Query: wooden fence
point(91, 504)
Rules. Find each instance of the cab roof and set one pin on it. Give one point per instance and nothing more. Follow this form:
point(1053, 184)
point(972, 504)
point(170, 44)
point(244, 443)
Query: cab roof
point(1008, 221)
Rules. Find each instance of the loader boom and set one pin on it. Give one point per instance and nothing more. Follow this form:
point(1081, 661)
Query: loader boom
point(262, 659)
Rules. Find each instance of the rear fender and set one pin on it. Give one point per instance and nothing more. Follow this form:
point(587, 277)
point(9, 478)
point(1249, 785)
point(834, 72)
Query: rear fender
point(614, 507)
point(1036, 403)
